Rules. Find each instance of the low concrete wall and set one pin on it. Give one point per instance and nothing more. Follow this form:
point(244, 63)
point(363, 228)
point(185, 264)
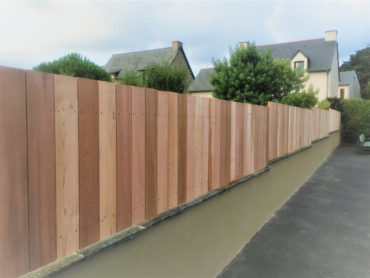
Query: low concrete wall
point(201, 240)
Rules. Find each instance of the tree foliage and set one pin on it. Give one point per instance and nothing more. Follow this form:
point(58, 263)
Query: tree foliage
point(254, 77)
point(360, 62)
point(355, 119)
point(75, 65)
point(324, 104)
point(305, 99)
point(158, 76)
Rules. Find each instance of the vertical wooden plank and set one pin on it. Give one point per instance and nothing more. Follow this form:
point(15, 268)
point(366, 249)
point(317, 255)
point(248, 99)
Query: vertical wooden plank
point(225, 143)
point(249, 149)
point(14, 250)
point(66, 142)
point(205, 144)
point(239, 146)
point(107, 158)
point(233, 141)
point(151, 124)
point(190, 147)
point(172, 149)
point(88, 144)
point(182, 147)
point(162, 151)
point(214, 144)
point(138, 154)
point(41, 167)
point(124, 157)
point(198, 146)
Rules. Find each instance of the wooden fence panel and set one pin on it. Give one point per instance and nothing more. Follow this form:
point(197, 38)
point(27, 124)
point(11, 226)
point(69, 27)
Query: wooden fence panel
point(14, 251)
point(138, 154)
point(248, 139)
point(66, 141)
point(198, 147)
point(240, 144)
point(173, 146)
point(41, 167)
point(88, 144)
point(190, 147)
point(233, 141)
point(182, 144)
point(214, 144)
point(205, 145)
point(124, 157)
point(162, 151)
point(225, 142)
point(107, 158)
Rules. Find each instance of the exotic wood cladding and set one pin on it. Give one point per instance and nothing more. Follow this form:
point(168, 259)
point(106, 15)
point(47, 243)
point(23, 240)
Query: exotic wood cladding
point(82, 159)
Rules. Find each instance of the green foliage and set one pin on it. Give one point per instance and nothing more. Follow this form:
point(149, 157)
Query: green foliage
point(360, 62)
point(75, 65)
point(132, 78)
point(305, 99)
point(355, 119)
point(254, 77)
point(324, 104)
point(158, 76)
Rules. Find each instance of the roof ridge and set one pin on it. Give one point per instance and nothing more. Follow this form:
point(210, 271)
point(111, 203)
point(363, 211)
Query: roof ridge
point(135, 52)
point(289, 42)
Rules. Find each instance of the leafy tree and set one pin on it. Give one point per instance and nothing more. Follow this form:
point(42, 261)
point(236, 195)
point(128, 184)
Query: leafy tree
point(324, 104)
point(360, 62)
point(305, 99)
point(355, 119)
point(75, 65)
point(159, 76)
point(254, 77)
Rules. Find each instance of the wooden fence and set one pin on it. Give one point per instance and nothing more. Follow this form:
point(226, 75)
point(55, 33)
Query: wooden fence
point(82, 159)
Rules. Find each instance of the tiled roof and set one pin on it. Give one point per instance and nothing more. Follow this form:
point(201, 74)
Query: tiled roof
point(346, 77)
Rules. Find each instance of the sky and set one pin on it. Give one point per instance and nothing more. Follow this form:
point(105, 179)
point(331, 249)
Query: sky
point(32, 32)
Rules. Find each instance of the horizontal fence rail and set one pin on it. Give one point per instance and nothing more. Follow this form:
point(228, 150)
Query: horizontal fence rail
point(83, 159)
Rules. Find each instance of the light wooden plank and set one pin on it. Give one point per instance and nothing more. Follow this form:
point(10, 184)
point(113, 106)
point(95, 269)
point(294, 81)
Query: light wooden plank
point(88, 144)
point(214, 141)
point(66, 141)
point(162, 152)
point(138, 154)
point(233, 142)
point(41, 168)
point(249, 150)
point(172, 149)
point(124, 157)
point(107, 158)
point(225, 143)
point(14, 243)
point(205, 144)
point(239, 151)
point(190, 147)
point(198, 146)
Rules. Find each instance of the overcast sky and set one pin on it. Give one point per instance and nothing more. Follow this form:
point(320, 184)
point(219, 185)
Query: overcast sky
point(35, 31)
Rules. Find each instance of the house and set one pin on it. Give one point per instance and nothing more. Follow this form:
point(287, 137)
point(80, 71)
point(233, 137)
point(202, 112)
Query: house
point(318, 57)
point(349, 86)
point(201, 86)
point(120, 63)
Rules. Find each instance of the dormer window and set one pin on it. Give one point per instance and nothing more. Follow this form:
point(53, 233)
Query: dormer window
point(299, 66)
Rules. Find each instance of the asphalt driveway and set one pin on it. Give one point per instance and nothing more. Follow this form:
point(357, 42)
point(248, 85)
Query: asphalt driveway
point(322, 231)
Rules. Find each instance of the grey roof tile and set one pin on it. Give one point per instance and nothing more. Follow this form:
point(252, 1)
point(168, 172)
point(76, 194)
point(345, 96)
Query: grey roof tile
point(201, 83)
point(346, 76)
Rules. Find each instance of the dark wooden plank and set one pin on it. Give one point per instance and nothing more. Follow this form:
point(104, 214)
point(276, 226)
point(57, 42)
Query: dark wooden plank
point(138, 154)
point(151, 126)
point(124, 158)
point(14, 244)
point(182, 147)
point(41, 168)
point(88, 141)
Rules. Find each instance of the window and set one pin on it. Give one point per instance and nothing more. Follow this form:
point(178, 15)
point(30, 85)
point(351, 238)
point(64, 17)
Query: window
point(299, 65)
point(341, 93)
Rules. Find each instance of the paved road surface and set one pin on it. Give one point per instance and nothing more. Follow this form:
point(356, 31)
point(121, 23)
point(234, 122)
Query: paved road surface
point(322, 231)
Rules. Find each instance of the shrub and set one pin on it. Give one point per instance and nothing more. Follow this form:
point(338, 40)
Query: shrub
point(324, 104)
point(304, 99)
point(132, 78)
point(75, 65)
point(355, 119)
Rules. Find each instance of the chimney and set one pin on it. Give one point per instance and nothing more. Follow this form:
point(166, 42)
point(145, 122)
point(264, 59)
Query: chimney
point(176, 45)
point(331, 35)
point(243, 45)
